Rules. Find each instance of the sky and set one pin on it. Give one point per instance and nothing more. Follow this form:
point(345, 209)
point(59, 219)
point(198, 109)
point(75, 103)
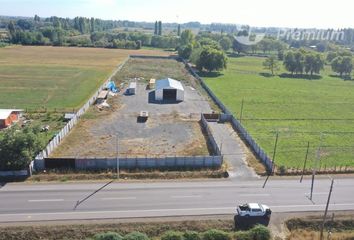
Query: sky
point(258, 13)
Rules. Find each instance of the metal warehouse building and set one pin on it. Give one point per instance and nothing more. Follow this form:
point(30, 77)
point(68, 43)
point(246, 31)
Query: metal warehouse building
point(169, 89)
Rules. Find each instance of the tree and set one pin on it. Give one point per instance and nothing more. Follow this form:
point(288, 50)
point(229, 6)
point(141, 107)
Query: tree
point(36, 18)
point(238, 47)
point(271, 63)
point(313, 63)
point(266, 45)
point(211, 59)
point(156, 26)
point(179, 30)
point(160, 28)
point(92, 25)
point(342, 65)
point(187, 37)
point(331, 55)
point(289, 62)
point(11, 28)
point(299, 62)
point(19, 147)
point(185, 51)
point(225, 43)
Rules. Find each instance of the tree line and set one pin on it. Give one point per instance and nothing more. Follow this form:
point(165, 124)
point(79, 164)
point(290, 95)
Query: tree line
point(302, 61)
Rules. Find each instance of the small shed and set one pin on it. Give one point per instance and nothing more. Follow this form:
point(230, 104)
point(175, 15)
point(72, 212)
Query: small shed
point(9, 116)
point(169, 90)
point(152, 83)
point(131, 89)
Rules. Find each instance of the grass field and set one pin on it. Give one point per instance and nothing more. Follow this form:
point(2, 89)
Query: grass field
point(56, 77)
point(300, 110)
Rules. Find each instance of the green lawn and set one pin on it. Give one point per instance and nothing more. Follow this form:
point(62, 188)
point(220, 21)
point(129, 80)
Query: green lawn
point(301, 110)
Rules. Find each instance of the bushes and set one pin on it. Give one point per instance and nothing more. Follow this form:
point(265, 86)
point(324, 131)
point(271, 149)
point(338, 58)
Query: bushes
point(136, 236)
point(214, 234)
point(191, 235)
point(172, 235)
point(259, 232)
point(108, 236)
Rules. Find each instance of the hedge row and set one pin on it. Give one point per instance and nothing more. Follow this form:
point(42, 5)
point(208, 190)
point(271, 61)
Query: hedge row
point(259, 232)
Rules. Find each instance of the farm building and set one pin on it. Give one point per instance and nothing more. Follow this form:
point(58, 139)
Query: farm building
point(169, 89)
point(9, 116)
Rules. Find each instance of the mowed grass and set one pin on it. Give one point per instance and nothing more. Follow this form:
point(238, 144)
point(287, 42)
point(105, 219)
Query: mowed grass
point(318, 111)
point(56, 77)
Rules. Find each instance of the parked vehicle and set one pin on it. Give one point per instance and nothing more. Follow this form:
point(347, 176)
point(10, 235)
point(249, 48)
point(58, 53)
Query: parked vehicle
point(253, 210)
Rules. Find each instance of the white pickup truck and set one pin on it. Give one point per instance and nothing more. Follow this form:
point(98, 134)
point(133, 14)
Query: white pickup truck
point(253, 210)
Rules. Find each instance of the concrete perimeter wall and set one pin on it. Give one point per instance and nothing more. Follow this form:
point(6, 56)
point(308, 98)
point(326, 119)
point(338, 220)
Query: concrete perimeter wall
point(150, 163)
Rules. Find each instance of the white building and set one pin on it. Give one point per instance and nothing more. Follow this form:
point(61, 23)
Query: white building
point(169, 89)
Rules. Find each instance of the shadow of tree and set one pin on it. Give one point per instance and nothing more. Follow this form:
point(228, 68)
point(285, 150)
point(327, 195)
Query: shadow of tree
point(345, 78)
point(235, 55)
point(210, 74)
point(267, 75)
point(301, 76)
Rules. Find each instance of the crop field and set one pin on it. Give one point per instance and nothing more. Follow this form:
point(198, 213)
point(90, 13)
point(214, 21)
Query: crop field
point(55, 77)
point(318, 111)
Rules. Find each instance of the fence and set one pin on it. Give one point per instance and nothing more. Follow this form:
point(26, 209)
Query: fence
point(257, 150)
point(21, 173)
point(134, 163)
point(39, 164)
point(211, 138)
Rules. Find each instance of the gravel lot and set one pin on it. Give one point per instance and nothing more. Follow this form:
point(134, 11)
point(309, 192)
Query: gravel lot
point(171, 129)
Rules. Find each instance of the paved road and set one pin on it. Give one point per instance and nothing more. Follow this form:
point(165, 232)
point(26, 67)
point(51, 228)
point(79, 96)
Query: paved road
point(24, 202)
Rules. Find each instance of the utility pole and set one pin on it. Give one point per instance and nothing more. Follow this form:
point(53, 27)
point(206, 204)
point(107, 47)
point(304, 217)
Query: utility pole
point(274, 152)
point(314, 169)
point(241, 112)
point(326, 210)
point(117, 159)
point(273, 160)
point(303, 170)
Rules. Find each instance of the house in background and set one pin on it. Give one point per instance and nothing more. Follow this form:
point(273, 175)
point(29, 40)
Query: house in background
point(9, 116)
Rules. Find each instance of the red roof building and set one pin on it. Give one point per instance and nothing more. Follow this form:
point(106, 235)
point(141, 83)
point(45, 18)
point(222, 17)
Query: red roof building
point(9, 116)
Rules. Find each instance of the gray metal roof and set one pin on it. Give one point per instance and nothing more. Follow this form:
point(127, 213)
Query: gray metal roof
point(168, 83)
